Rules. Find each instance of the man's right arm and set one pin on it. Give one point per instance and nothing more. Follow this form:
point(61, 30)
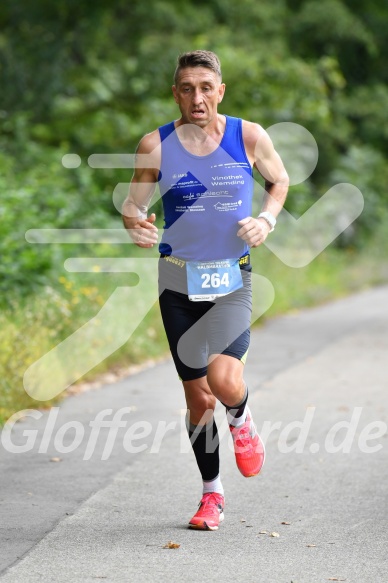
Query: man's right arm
point(147, 163)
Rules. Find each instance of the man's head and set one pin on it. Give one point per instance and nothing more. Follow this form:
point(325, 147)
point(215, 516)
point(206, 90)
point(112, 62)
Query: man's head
point(198, 87)
point(205, 59)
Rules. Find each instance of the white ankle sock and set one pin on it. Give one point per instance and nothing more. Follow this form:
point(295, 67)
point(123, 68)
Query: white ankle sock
point(213, 486)
point(232, 411)
point(237, 421)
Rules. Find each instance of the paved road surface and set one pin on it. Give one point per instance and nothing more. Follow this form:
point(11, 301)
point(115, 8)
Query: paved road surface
point(84, 520)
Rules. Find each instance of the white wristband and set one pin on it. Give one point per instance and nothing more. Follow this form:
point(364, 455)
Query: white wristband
point(269, 218)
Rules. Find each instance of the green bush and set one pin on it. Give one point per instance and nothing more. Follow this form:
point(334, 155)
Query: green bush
point(42, 196)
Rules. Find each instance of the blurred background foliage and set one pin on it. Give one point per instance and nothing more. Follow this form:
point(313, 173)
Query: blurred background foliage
point(89, 76)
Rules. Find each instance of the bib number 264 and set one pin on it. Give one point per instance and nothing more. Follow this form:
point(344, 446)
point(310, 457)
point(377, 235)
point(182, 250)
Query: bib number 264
point(209, 280)
point(214, 280)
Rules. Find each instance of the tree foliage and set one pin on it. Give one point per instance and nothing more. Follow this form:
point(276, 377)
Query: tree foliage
point(86, 77)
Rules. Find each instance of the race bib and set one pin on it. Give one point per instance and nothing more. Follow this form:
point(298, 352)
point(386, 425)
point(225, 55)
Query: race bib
point(209, 280)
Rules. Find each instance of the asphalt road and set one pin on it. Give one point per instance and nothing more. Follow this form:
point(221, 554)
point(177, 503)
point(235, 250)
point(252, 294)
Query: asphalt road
point(318, 384)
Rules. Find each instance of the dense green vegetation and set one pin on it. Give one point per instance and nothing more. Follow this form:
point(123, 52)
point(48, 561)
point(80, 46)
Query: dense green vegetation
point(92, 77)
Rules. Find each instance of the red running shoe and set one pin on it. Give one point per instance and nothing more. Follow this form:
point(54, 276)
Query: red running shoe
point(210, 512)
point(248, 447)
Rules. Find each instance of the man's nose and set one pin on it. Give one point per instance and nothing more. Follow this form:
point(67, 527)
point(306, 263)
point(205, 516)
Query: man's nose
point(197, 97)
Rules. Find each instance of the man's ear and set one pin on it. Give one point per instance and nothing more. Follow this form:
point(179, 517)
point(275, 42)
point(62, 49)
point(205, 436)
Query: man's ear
point(174, 92)
point(221, 92)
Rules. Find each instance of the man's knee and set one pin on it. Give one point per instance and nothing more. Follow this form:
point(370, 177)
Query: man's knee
point(225, 378)
point(222, 384)
point(200, 400)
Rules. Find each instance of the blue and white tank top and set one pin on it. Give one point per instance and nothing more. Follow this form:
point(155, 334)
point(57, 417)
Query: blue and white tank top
point(204, 197)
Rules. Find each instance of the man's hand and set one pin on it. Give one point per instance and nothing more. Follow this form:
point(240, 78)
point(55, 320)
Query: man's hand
point(144, 233)
point(253, 231)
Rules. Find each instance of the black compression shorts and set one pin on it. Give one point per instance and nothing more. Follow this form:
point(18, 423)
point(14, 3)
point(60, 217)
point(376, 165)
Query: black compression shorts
point(196, 330)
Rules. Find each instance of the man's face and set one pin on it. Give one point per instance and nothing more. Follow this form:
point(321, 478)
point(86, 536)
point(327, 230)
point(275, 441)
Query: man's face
point(198, 93)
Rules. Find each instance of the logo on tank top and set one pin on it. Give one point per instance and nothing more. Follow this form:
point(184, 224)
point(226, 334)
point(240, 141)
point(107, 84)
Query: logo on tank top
point(228, 206)
point(188, 187)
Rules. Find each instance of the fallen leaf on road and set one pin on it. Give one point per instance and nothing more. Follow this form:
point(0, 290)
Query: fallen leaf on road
point(56, 459)
point(284, 522)
point(171, 545)
point(243, 520)
point(274, 534)
point(311, 545)
point(263, 532)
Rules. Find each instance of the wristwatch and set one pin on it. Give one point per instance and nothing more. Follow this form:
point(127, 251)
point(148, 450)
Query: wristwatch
point(269, 218)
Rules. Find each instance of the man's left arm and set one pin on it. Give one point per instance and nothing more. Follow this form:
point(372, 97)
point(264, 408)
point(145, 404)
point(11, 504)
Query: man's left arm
point(262, 155)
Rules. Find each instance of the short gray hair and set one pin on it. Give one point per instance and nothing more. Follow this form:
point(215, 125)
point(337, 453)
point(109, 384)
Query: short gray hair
point(198, 59)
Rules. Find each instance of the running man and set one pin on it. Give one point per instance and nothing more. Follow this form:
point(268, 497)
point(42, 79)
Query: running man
point(203, 163)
